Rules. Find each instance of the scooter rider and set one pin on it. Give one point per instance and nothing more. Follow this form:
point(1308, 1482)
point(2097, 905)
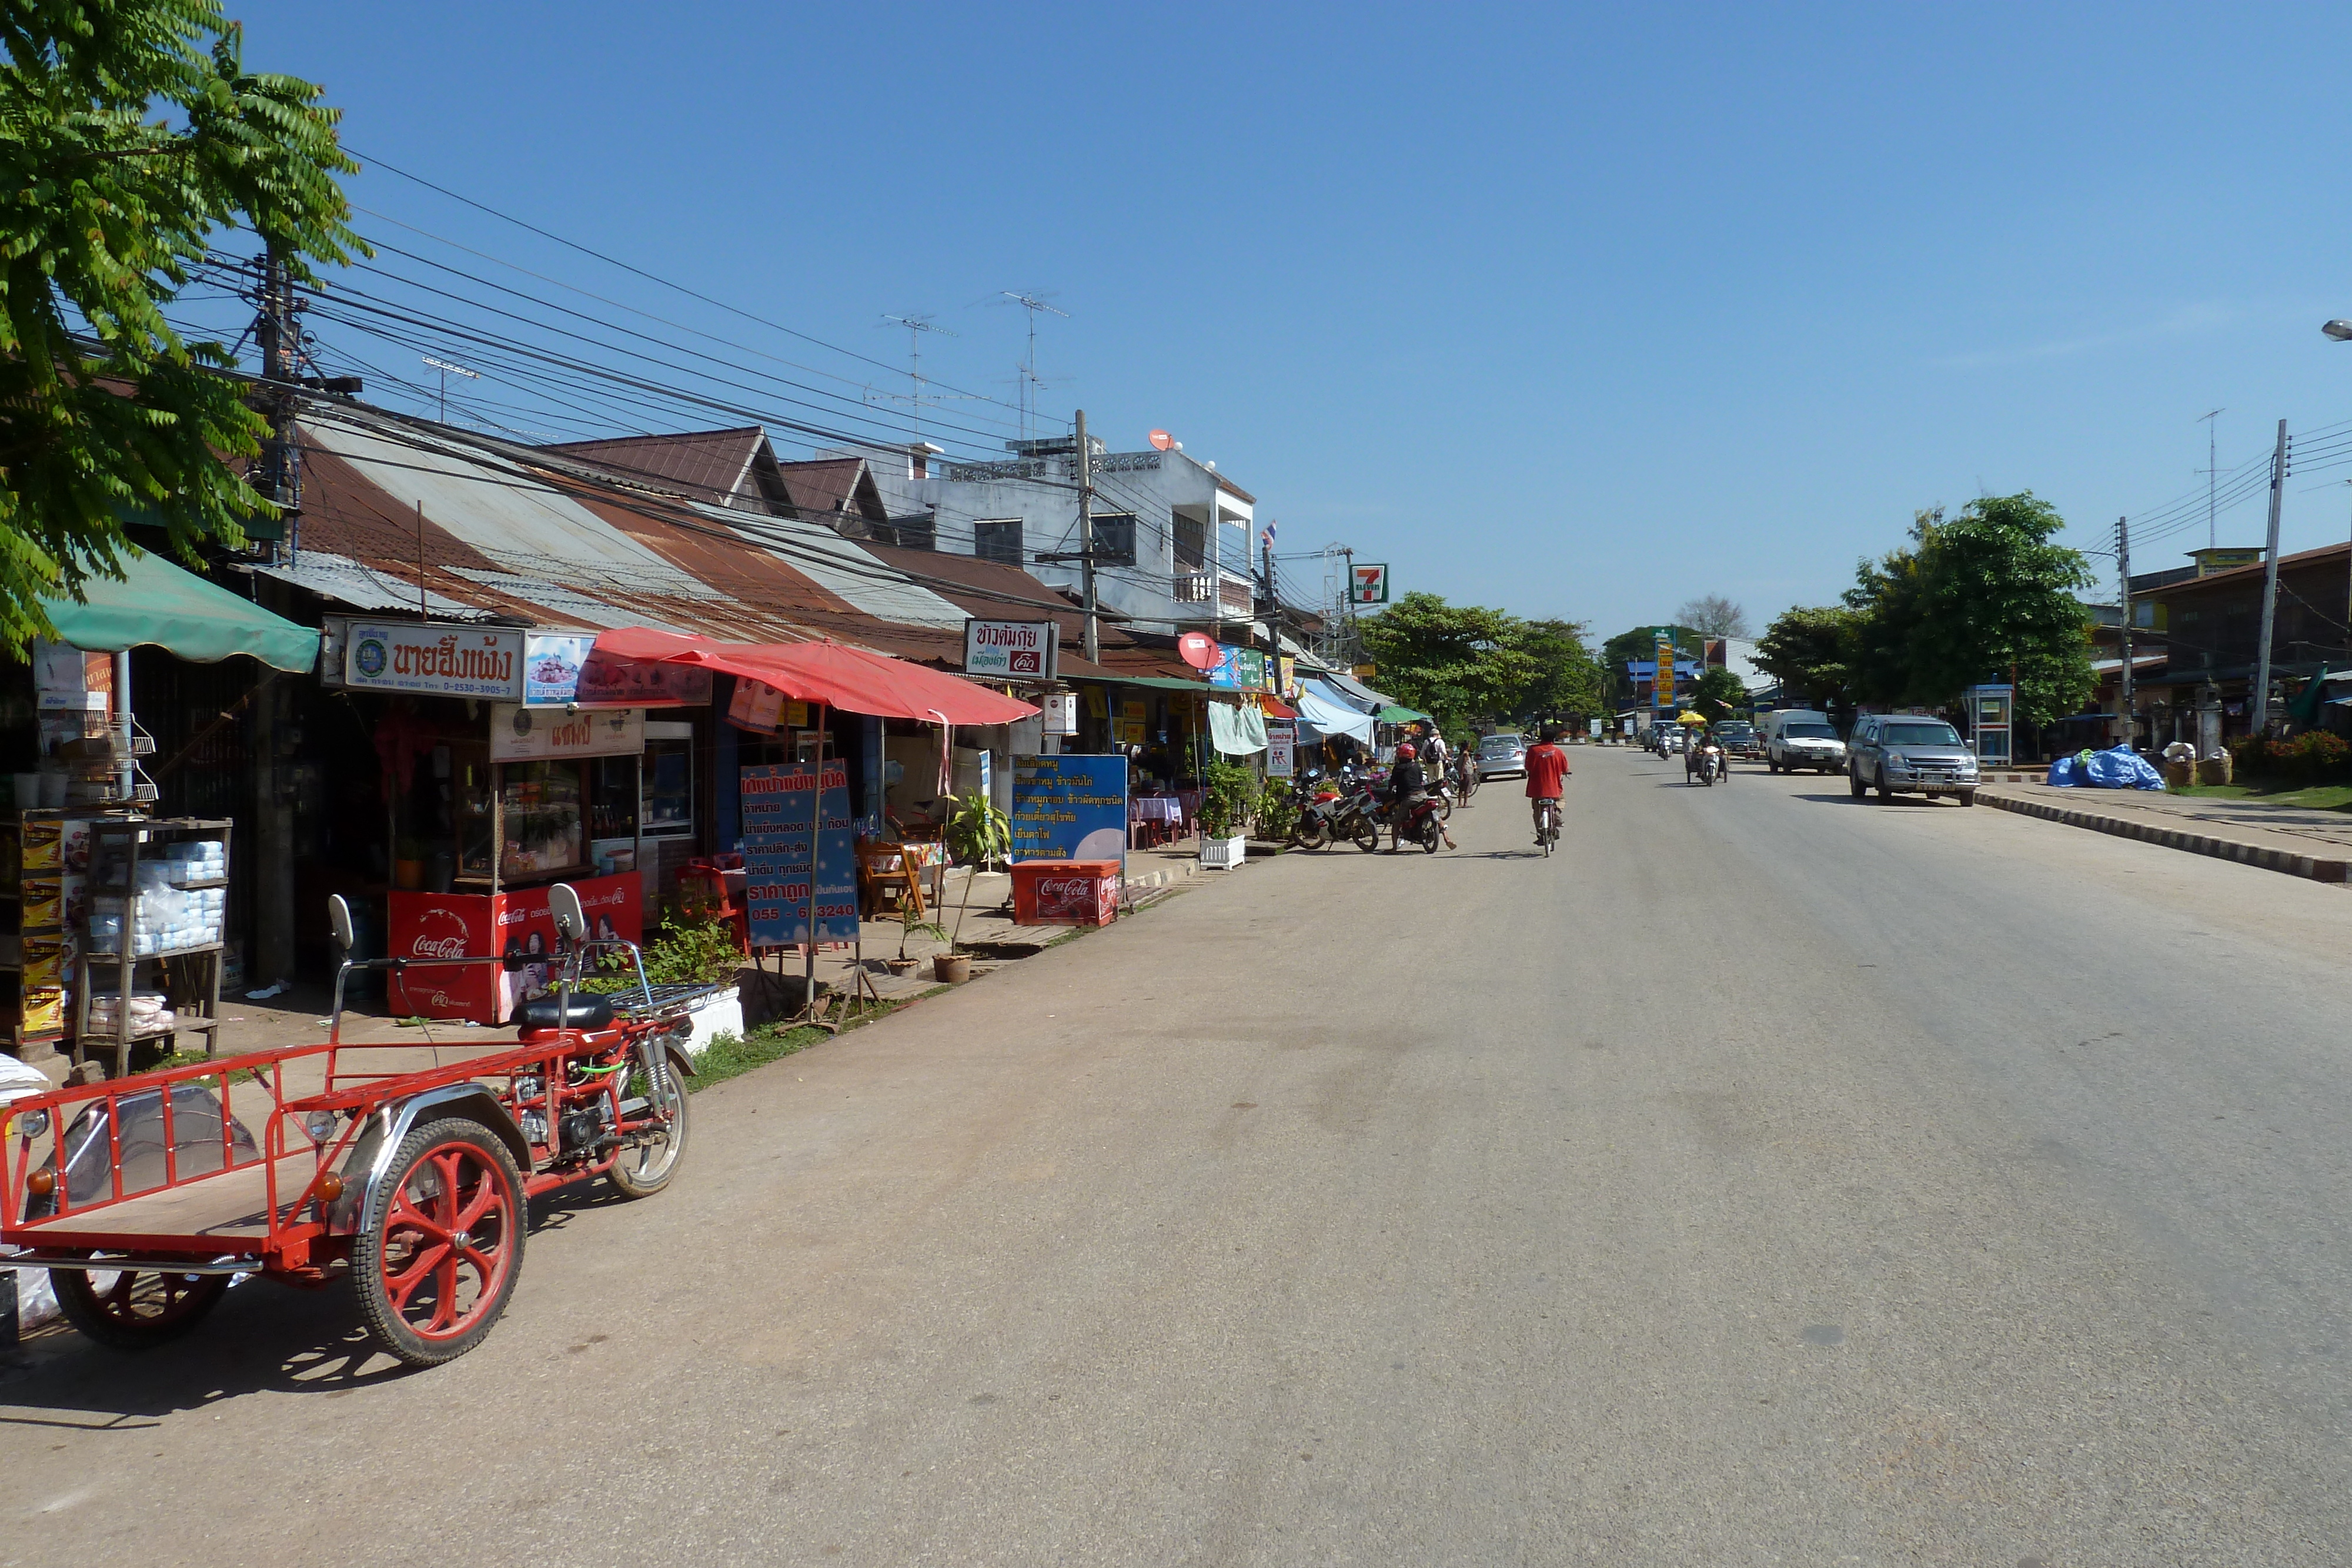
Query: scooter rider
point(1408, 787)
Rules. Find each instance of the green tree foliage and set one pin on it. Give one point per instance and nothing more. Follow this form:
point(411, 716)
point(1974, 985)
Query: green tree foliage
point(1450, 660)
point(1717, 694)
point(1466, 662)
point(1564, 679)
point(131, 132)
point(1808, 651)
point(1965, 600)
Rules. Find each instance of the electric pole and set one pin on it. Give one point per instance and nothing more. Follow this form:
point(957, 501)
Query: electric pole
point(2212, 470)
point(2123, 564)
point(2259, 710)
point(1349, 599)
point(280, 339)
point(1091, 646)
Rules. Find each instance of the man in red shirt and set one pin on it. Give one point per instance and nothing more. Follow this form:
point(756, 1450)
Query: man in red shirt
point(1547, 765)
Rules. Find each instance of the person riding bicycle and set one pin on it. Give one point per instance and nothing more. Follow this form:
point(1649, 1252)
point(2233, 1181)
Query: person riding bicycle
point(1546, 766)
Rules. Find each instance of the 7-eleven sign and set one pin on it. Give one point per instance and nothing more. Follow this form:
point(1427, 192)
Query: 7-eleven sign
point(1369, 585)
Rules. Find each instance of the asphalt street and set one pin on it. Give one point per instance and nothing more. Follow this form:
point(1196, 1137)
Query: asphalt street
point(1768, 1177)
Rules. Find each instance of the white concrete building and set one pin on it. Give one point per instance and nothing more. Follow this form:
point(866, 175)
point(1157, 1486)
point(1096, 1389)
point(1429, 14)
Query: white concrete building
point(1167, 525)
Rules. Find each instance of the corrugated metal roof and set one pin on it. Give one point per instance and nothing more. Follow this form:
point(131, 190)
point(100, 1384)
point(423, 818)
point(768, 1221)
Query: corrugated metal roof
point(711, 466)
point(361, 586)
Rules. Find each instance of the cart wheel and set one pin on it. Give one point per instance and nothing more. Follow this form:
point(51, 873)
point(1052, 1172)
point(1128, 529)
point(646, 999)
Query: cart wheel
point(645, 1170)
point(133, 1309)
point(440, 1243)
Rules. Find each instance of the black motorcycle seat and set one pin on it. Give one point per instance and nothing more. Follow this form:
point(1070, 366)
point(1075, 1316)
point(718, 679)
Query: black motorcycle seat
point(547, 1012)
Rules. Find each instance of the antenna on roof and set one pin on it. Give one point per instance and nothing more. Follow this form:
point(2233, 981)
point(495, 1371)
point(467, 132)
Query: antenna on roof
point(916, 326)
point(1032, 303)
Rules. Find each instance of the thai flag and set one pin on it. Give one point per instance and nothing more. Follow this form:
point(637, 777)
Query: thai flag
point(1267, 539)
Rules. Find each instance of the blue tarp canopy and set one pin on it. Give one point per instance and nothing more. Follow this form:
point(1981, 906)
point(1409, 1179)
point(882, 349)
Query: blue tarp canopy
point(1321, 707)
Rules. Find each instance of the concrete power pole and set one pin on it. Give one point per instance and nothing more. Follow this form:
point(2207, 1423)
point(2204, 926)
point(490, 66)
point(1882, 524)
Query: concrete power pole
point(2258, 711)
point(2123, 565)
point(1092, 646)
point(279, 334)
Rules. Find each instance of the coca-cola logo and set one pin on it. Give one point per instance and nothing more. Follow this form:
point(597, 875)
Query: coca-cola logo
point(440, 934)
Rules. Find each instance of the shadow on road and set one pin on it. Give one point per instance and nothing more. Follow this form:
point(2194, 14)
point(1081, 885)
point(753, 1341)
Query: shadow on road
point(263, 1337)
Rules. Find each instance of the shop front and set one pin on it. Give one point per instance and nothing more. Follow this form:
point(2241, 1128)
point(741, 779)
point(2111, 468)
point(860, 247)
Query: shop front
point(511, 761)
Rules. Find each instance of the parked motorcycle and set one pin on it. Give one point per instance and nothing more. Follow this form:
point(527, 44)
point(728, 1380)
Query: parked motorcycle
point(1358, 818)
point(1319, 812)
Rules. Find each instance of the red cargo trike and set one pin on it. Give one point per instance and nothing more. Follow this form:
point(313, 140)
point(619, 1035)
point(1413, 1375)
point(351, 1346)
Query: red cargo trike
point(145, 1196)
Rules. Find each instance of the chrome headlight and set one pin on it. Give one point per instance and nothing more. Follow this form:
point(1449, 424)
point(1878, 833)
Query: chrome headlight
point(319, 1125)
point(32, 1124)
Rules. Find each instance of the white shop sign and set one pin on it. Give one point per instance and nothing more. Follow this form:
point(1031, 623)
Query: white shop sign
point(1018, 650)
point(519, 734)
point(455, 662)
point(1281, 749)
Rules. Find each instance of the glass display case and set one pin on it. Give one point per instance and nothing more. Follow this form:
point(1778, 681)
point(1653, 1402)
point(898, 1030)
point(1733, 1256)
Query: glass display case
point(540, 809)
point(669, 784)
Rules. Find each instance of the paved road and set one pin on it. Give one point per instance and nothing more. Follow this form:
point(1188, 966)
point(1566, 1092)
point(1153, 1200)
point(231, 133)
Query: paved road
point(1769, 1178)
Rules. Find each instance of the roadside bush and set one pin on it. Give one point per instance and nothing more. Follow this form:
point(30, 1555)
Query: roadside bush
point(2315, 757)
point(1277, 810)
point(691, 946)
point(1229, 793)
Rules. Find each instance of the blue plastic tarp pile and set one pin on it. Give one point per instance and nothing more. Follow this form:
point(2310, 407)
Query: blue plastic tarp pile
point(2120, 769)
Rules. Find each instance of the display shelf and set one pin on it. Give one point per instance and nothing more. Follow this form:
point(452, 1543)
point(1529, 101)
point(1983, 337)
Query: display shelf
point(118, 849)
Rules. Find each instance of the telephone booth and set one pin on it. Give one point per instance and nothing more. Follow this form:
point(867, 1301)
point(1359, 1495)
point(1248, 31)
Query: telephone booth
point(1989, 721)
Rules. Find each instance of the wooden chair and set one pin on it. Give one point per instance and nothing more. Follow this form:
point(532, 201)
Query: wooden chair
point(890, 869)
point(703, 885)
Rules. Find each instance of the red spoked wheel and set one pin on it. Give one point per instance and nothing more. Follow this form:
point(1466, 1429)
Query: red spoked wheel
point(441, 1242)
point(132, 1309)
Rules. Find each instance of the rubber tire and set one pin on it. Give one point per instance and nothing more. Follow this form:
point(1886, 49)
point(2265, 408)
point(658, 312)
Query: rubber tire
point(1968, 797)
point(680, 1130)
point(78, 1302)
point(1771, 766)
point(1314, 833)
point(1886, 796)
point(1853, 782)
point(391, 1330)
point(1368, 839)
point(1430, 836)
point(1445, 808)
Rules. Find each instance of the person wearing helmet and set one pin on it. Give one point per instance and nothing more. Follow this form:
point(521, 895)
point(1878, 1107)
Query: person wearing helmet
point(1407, 786)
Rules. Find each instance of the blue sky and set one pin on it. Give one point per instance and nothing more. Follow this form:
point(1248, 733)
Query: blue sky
point(1578, 312)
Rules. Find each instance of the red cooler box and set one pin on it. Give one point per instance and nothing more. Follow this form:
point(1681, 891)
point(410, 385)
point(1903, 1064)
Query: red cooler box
point(1064, 892)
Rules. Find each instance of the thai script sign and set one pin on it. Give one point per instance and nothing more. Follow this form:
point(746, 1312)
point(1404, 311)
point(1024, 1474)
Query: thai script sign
point(519, 734)
point(1018, 650)
point(1239, 669)
point(779, 805)
point(456, 661)
point(1070, 808)
point(1281, 749)
point(551, 663)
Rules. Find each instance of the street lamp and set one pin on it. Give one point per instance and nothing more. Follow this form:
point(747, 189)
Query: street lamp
point(2340, 330)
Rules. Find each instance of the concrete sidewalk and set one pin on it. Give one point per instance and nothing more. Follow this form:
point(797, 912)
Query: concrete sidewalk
point(2295, 840)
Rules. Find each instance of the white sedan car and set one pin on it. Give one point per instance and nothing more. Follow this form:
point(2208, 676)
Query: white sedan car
point(1502, 757)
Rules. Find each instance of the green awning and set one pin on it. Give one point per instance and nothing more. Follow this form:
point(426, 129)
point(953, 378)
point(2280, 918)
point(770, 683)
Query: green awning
point(1159, 683)
point(1392, 714)
point(157, 604)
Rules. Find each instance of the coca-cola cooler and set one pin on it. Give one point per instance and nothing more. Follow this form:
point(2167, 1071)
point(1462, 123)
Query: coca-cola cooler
point(513, 924)
point(1064, 892)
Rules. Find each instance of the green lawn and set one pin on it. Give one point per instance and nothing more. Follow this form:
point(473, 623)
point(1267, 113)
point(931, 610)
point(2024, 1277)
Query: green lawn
point(2318, 798)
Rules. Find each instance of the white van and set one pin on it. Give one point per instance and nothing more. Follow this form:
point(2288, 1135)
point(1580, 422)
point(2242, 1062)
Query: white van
point(1800, 737)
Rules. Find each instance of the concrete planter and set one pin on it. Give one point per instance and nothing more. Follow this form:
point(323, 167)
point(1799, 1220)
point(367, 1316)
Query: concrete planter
point(950, 968)
point(720, 1014)
point(1223, 854)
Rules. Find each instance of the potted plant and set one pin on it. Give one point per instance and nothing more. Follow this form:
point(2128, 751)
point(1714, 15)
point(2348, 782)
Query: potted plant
point(975, 833)
point(1228, 795)
point(908, 926)
point(693, 946)
point(408, 865)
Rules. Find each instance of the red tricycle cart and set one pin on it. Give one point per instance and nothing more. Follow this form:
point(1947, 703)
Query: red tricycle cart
point(145, 1196)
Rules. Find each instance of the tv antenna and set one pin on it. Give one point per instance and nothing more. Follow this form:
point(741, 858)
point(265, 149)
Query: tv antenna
point(1030, 381)
point(2210, 471)
point(916, 326)
point(449, 370)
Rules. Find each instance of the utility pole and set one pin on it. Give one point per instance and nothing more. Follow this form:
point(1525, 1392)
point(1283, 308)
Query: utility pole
point(2259, 710)
point(1091, 646)
point(1217, 567)
point(1349, 599)
point(2123, 564)
point(280, 339)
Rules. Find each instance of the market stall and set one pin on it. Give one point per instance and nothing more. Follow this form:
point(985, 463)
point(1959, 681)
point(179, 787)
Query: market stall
point(111, 919)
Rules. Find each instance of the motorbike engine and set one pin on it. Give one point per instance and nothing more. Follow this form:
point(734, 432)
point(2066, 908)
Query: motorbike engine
point(582, 1127)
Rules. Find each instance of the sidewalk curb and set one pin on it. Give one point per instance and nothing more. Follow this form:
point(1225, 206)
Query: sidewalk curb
point(2313, 866)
